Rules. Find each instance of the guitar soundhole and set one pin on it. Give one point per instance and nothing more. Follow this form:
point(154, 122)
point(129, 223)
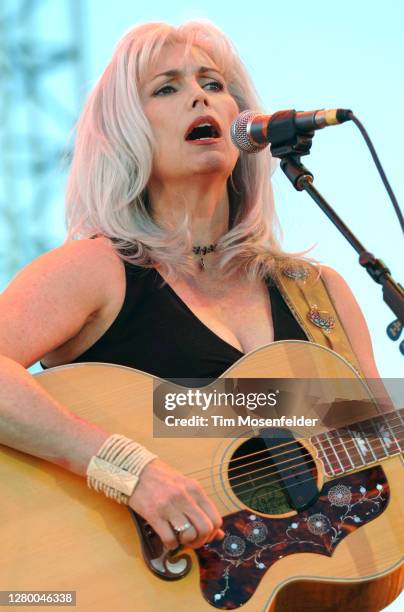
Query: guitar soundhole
point(273, 473)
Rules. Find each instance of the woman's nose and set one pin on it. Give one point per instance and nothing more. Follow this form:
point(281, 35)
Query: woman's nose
point(199, 98)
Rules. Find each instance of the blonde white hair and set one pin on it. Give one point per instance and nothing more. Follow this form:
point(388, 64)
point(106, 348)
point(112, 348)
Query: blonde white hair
point(112, 162)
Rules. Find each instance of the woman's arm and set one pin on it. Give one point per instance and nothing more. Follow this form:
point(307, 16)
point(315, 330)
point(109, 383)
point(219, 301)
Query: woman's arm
point(47, 304)
point(33, 422)
point(352, 319)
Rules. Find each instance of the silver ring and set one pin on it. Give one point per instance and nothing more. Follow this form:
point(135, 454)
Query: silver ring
point(182, 528)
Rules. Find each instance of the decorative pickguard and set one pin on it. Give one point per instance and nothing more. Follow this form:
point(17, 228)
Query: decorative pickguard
point(231, 569)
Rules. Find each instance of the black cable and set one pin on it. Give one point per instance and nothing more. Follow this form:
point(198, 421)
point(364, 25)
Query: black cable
point(379, 167)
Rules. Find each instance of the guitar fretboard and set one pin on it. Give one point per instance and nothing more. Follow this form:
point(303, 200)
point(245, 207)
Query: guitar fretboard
point(349, 448)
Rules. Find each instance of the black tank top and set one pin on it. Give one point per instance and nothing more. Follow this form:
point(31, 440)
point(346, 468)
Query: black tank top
point(156, 332)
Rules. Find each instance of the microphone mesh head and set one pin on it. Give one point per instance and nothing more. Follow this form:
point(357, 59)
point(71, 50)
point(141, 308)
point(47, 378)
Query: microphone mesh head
point(239, 132)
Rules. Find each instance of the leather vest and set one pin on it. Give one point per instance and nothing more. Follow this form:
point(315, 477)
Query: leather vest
point(306, 294)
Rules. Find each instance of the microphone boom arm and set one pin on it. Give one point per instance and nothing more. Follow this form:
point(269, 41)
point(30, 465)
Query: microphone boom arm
point(302, 180)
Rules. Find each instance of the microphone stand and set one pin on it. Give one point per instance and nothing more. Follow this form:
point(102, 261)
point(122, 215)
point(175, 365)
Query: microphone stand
point(289, 152)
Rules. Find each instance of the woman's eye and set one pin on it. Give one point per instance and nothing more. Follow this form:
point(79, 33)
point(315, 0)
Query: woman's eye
point(164, 90)
point(214, 85)
point(168, 89)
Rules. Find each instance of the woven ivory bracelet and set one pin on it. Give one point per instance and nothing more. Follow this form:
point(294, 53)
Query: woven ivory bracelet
point(116, 468)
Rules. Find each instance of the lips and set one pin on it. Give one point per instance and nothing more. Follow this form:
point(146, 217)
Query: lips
point(204, 120)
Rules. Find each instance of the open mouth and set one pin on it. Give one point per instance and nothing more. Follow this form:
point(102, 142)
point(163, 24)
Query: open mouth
point(203, 130)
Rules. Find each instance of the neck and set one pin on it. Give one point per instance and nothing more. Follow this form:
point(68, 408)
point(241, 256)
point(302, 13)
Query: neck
point(353, 447)
point(207, 208)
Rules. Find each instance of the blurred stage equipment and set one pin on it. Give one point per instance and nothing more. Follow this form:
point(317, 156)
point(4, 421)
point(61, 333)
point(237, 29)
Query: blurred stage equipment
point(42, 77)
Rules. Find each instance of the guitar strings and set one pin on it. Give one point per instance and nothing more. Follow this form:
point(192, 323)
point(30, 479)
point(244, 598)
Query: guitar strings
point(306, 454)
point(290, 443)
point(301, 455)
point(318, 436)
point(276, 471)
point(333, 446)
point(215, 494)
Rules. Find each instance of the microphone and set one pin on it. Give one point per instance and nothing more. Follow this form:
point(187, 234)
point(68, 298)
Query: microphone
point(251, 132)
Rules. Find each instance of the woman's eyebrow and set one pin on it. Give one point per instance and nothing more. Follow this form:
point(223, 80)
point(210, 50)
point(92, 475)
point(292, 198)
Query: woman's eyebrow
point(178, 73)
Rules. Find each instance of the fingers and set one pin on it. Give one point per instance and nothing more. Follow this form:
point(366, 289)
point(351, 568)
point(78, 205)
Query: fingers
point(172, 534)
point(201, 528)
point(211, 522)
point(218, 535)
point(208, 506)
point(211, 511)
point(190, 537)
point(168, 500)
point(203, 516)
point(194, 532)
point(185, 530)
point(166, 533)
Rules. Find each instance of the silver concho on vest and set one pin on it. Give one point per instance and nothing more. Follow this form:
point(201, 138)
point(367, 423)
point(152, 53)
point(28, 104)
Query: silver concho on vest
point(296, 273)
point(323, 319)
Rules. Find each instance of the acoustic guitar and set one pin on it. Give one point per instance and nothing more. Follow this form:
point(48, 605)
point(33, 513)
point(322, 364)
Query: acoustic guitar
point(310, 524)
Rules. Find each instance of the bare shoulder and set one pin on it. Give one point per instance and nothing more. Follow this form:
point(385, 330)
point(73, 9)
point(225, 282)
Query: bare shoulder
point(352, 319)
point(337, 286)
point(85, 267)
point(84, 256)
point(51, 299)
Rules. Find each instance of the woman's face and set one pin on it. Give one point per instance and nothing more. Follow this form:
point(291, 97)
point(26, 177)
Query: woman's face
point(180, 93)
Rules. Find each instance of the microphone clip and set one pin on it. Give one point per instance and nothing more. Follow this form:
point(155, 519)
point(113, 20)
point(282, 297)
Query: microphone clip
point(285, 136)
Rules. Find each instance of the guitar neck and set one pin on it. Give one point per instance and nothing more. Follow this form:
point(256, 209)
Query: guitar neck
point(356, 446)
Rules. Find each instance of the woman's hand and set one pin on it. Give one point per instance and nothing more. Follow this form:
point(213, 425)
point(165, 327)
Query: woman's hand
point(167, 499)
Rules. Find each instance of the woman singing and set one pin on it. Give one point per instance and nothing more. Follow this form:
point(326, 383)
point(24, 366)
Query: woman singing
point(172, 266)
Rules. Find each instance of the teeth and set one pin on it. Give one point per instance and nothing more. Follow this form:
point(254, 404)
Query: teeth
point(214, 132)
point(203, 125)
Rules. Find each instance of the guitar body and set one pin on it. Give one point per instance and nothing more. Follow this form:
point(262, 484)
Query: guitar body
point(56, 534)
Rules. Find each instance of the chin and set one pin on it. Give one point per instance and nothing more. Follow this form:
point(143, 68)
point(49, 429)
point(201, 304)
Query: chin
point(212, 161)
